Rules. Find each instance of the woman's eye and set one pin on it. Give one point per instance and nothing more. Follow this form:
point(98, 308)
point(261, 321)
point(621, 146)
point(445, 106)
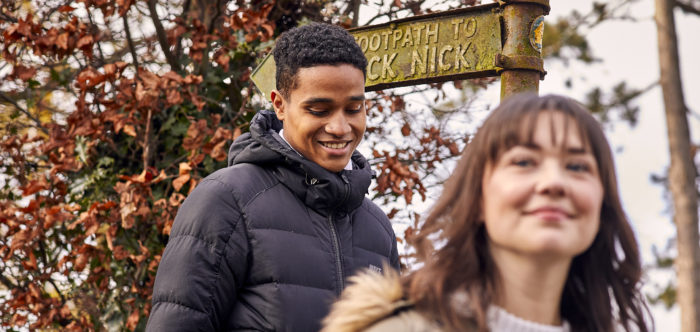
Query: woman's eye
point(523, 162)
point(578, 167)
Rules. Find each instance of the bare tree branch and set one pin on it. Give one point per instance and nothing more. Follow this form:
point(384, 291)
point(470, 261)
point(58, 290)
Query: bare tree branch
point(688, 6)
point(130, 41)
point(93, 26)
point(162, 38)
point(185, 18)
point(4, 97)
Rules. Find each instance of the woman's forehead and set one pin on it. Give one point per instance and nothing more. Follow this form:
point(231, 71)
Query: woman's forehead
point(545, 128)
point(556, 129)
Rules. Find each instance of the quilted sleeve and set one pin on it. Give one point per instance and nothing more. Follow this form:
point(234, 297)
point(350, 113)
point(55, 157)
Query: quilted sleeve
point(204, 262)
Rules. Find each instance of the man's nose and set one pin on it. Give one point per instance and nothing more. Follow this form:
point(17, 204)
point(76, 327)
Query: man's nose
point(338, 125)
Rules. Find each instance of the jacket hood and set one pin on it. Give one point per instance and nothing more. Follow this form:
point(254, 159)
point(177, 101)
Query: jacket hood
point(326, 192)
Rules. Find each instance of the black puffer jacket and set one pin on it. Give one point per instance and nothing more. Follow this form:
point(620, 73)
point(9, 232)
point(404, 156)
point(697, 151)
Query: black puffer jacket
point(267, 243)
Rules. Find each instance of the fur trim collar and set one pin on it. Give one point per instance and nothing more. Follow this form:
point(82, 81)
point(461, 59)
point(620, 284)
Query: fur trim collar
point(370, 297)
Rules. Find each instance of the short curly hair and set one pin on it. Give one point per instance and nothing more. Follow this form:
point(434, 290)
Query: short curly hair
point(312, 45)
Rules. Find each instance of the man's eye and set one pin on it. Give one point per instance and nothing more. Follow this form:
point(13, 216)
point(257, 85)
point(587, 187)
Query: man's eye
point(316, 112)
point(354, 110)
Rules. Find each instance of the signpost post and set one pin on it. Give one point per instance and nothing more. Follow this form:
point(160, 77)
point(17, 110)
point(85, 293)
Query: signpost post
point(503, 38)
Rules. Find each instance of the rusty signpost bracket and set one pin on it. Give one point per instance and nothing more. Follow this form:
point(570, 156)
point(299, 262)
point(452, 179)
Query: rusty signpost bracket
point(520, 62)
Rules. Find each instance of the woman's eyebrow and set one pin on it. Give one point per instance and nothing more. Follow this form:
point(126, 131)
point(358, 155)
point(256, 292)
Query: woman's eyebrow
point(569, 150)
point(576, 150)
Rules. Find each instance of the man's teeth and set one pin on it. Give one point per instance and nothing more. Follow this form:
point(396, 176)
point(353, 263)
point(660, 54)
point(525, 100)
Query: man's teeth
point(335, 145)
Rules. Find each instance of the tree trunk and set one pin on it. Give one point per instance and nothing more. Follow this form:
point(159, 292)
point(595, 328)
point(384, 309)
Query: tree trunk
point(682, 173)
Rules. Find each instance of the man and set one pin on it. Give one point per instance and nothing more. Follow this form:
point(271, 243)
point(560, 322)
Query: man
point(267, 243)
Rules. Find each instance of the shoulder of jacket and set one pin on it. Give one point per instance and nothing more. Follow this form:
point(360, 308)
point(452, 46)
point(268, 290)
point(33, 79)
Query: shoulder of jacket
point(370, 298)
point(369, 207)
point(243, 180)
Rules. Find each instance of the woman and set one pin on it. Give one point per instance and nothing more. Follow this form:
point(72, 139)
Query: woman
point(528, 235)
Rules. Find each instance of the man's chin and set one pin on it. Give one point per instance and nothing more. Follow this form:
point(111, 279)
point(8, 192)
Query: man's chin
point(334, 167)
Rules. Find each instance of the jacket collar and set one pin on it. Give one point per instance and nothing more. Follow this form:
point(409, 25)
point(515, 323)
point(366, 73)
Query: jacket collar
point(326, 192)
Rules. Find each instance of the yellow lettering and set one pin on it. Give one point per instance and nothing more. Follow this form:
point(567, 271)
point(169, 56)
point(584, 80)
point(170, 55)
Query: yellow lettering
point(470, 27)
point(386, 38)
point(407, 38)
point(459, 57)
point(372, 61)
point(418, 32)
point(431, 33)
point(397, 35)
point(363, 43)
point(372, 45)
point(386, 66)
point(416, 60)
point(431, 66)
point(456, 24)
point(441, 59)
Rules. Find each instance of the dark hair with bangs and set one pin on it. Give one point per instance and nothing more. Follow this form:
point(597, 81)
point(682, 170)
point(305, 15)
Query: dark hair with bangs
point(602, 289)
point(312, 45)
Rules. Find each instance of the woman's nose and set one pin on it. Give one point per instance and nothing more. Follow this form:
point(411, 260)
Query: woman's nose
point(551, 180)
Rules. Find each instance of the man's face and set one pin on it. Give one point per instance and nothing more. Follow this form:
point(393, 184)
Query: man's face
point(324, 116)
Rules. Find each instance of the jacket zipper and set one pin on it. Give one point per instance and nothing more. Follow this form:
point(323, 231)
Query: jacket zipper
point(336, 241)
point(336, 248)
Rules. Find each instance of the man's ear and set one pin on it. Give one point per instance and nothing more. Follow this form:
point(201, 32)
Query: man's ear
point(279, 104)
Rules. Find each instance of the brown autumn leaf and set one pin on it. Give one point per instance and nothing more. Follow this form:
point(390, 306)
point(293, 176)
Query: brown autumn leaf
point(126, 210)
point(129, 130)
point(173, 97)
point(220, 151)
point(34, 186)
point(133, 320)
point(62, 41)
point(176, 199)
point(185, 168)
point(86, 40)
point(406, 129)
point(180, 181)
point(120, 253)
point(65, 9)
point(23, 73)
point(80, 261)
point(454, 150)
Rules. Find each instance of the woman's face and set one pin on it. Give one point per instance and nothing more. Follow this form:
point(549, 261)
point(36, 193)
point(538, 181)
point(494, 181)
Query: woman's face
point(544, 198)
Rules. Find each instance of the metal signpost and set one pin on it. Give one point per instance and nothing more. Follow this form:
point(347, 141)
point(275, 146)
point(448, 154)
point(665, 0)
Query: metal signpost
point(499, 39)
